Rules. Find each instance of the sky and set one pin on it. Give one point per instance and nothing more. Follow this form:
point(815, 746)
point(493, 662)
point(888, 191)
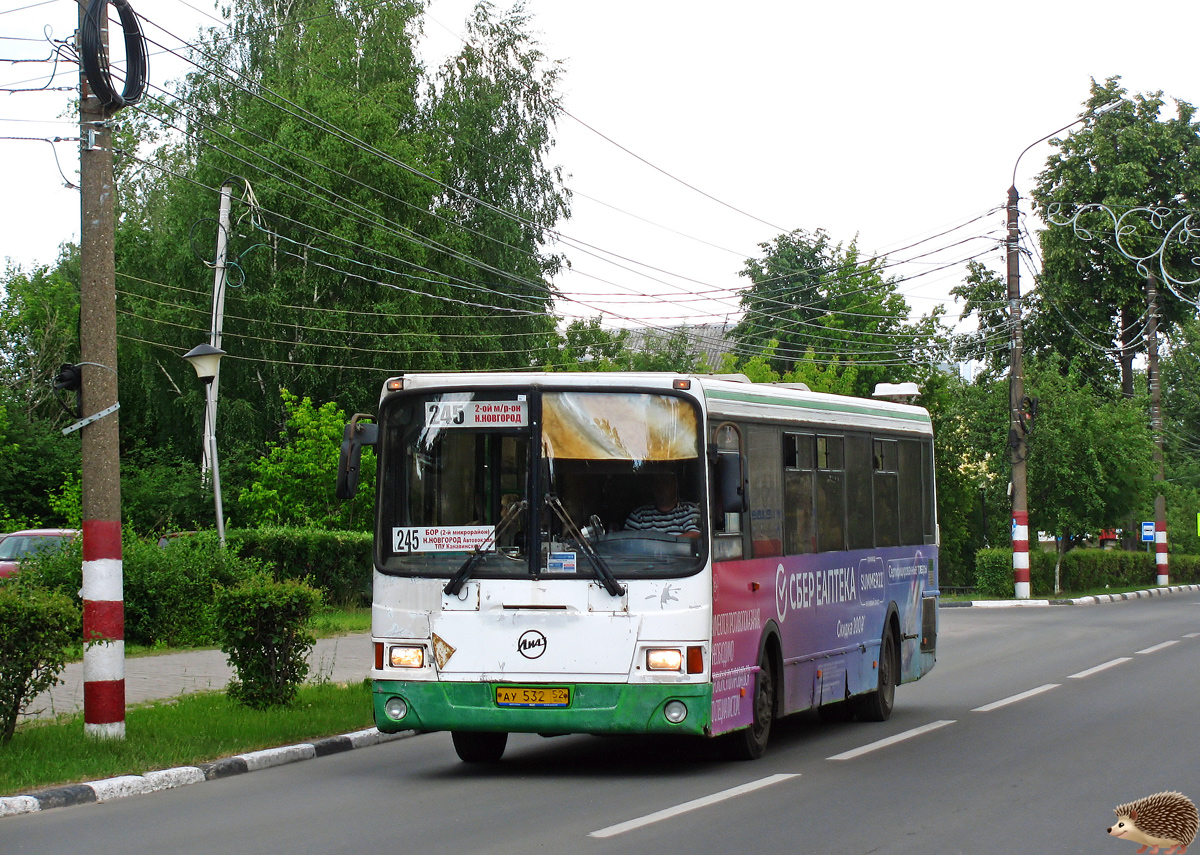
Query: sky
point(698, 131)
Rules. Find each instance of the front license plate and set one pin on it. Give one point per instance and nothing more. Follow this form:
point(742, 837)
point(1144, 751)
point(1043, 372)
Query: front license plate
point(532, 696)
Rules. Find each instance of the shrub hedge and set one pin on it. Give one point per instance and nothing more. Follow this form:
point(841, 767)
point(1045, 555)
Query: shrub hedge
point(1082, 570)
point(170, 591)
point(337, 562)
point(36, 627)
point(262, 626)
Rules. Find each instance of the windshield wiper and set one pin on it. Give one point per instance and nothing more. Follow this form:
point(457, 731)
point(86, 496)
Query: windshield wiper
point(463, 573)
point(603, 572)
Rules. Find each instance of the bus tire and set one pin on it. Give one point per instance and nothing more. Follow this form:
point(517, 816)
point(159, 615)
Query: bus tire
point(479, 747)
point(750, 743)
point(877, 705)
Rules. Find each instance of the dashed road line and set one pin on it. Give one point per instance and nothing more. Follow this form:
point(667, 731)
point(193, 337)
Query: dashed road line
point(891, 740)
point(1192, 635)
point(1158, 647)
point(1014, 698)
point(1097, 669)
point(694, 804)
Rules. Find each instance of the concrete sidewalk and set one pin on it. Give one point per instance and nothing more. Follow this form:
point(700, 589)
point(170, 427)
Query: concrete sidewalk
point(343, 659)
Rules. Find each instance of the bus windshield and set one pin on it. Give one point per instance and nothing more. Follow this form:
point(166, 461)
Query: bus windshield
point(523, 482)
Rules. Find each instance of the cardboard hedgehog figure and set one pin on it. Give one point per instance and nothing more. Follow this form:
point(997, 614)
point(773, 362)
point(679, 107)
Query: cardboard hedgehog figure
point(1164, 819)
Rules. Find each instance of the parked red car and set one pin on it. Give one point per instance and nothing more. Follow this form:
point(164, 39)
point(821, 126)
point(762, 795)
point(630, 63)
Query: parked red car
point(22, 544)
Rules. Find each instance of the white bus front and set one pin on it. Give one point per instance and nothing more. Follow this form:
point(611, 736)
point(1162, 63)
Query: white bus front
point(533, 572)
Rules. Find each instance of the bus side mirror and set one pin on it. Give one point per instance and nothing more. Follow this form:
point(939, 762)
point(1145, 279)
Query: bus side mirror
point(731, 478)
point(354, 437)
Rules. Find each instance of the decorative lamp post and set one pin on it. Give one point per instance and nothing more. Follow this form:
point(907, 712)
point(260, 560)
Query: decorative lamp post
point(205, 359)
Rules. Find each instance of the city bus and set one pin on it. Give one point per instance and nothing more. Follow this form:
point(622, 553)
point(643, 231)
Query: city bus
point(642, 553)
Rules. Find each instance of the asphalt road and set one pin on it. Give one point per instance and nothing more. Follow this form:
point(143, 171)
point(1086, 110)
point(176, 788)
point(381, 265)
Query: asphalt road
point(1019, 740)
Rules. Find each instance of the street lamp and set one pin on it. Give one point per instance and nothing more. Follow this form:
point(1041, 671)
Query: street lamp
point(205, 359)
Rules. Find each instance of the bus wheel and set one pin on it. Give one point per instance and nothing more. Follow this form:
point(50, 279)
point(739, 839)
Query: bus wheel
point(751, 743)
point(877, 705)
point(474, 747)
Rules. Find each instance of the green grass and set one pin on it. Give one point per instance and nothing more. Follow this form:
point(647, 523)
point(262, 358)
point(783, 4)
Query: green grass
point(341, 621)
point(185, 731)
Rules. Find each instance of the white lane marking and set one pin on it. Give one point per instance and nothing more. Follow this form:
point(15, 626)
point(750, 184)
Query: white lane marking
point(1012, 700)
point(891, 740)
point(1090, 671)
point(1192, 635)
point(1158, 647)
point(694, 804)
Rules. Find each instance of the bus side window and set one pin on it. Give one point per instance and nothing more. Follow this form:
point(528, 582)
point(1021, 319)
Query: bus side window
point(798, 454)
point(766, 489)
point(860, 503)
point(727, 527)
point(831, 495)
point(912, 529)
point(887, 509)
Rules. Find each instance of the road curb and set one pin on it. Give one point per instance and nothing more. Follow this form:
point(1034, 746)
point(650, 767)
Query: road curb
point(167, 779)
point(1079, 601)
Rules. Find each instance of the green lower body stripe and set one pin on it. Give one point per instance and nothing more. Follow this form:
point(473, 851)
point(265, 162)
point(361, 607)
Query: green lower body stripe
point(593, 708)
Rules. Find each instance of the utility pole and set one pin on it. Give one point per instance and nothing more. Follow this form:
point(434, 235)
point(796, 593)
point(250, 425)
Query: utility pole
point(1016, 397)
point(1156, 425)
point(214, 338)
point(103, 586)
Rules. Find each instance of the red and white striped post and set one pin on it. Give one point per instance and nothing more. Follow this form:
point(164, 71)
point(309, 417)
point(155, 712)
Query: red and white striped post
point(1020, 548)
point(100, 456)
point(103, 630)
point(1017, 425)
point(1160, 551)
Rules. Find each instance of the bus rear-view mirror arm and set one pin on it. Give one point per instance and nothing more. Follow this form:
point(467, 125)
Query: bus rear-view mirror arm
point(356, 435)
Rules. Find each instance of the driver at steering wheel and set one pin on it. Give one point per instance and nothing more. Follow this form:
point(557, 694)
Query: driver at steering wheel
point(666, 513)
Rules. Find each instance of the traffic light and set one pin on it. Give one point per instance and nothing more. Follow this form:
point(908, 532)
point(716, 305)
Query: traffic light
point(69, 379)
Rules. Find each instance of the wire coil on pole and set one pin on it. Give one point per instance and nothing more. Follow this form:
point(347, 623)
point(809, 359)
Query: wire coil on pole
point(95, 57)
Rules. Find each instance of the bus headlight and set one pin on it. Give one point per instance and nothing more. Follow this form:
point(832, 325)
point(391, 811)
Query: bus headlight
point(406, 657)
point(395, 709)
point(675, 711)
point(664, 660)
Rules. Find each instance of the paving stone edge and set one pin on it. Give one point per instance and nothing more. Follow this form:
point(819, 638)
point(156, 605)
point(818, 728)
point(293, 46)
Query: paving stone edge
point(166, 779)
point(1079, 601)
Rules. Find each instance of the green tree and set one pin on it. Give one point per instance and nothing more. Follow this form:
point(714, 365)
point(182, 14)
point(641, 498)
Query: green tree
point(1089, 455)
point(293, 484)
point(831, 377)
point(825, 304)
point(586, 346)
point(972, 469)
point(39, 331)
point(39, 322)
point(984, 294)
point(385, 219)
point(1124, 155)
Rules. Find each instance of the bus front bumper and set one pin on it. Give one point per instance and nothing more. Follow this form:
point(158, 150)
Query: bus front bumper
point(591, 708)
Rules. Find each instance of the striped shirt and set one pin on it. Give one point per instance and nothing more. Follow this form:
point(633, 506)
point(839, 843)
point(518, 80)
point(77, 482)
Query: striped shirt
point(684, 518)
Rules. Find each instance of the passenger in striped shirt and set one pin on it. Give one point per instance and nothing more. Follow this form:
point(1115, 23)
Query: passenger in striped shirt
point(666, 513)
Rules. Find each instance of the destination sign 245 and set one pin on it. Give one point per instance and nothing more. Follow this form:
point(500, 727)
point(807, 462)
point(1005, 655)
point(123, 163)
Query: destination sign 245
point(476, 414)
point(462, 538)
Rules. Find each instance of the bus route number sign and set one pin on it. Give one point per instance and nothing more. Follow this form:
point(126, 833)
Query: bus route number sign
point(463, 538)
point(476, 414)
